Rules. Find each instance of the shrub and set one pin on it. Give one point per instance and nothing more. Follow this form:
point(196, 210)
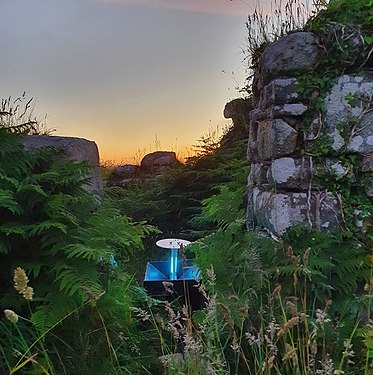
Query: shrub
point(56, 231)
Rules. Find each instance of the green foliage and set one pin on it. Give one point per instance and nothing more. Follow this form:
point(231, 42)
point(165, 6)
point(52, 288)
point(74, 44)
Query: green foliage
point(172, 200)
point(347, 12)
point(306, 274)
point(59, 233)
point(272, 307)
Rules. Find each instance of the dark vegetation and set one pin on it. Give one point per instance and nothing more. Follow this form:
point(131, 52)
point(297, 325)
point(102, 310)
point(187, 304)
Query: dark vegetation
point(296, 305)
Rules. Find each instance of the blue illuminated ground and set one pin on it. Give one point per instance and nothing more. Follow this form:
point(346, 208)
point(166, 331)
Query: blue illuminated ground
point(165, 271)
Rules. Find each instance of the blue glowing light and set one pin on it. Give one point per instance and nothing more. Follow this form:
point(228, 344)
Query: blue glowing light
point(174, 268)
point(160, 271)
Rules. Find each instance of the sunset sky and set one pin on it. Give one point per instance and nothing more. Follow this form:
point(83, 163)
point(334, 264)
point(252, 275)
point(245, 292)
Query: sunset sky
point(125, 72)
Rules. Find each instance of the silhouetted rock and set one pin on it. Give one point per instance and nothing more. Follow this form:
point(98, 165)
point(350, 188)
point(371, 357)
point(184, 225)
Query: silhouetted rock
point(126, 170)
point(239, 111)
point(159, 159)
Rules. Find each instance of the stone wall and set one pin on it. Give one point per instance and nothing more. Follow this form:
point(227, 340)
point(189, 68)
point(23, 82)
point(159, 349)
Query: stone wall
point(77, 149)
point(292, 147)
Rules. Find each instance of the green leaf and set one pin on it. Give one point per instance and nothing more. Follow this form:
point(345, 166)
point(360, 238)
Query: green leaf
point(90, 253)
point(13, 228)
point(46, 225)
point(368, 39)
point(8, 202)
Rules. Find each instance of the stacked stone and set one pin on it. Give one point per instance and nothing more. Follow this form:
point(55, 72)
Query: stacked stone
point(283, 185)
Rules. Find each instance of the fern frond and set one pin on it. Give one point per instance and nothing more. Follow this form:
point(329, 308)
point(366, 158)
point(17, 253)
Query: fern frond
point(7, 201)
point(74, 279)
point(32, 268)
point(54, 308)
point(94, 254)
point(27, 188)
point(7, 182)
point(4, 247)
point(14, 229)
point(46, 225)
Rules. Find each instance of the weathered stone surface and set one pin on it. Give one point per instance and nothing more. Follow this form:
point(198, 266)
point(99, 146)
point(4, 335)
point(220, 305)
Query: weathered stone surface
point(293, 109)
point(278, 212)
point(77, 149)
point(326, 212)
point(347, 114)
point(256, 87)
point(279, 91)
point(312, 129)
point(335, 167)
point(300, 173)
point(126, 169)
point(257, 115)
point(361, 139)
point(286, 185)
point(123, 175)
point(159, 159)
point(297, 51)
point(366, 163)
point(275, 139)
point(290, 173)
point(258, 174)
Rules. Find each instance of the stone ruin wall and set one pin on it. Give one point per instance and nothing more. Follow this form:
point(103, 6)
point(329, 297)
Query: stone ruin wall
point(285, 185)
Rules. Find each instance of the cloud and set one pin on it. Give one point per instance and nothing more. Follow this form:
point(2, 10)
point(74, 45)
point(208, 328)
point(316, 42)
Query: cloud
point(226, 7)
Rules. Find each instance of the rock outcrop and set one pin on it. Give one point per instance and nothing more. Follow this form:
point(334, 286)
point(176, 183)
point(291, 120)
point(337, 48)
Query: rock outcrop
point(159, 159)
point(239, 111)
point(77, 149)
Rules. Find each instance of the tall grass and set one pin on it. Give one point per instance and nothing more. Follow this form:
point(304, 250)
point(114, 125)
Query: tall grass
point(271, 21)
point(285, 336)
point(17, 116)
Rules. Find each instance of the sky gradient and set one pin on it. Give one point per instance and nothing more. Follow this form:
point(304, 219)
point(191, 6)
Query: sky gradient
point(125, 72)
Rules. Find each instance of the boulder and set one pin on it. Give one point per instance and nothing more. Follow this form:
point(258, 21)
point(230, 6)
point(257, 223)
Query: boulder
point(237, 109)
point(77, 149)
point(279, 91)
point(290, 173)
point(258, 174)
point(293, 109)
point(296, 51)
point(278, 212)
point(123, 175)
point(275, 139)
point(126, 170)
point(159, 159)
